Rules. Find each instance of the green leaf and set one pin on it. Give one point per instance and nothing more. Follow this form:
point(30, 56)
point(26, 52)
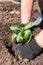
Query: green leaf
point(13, 36)
point(27, 36)
point(19, 38)
point(14, 27)
point(30, 25)
point(21, 29)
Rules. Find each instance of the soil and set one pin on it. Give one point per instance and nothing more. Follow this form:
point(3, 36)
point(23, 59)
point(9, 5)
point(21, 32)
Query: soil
point(10, 14)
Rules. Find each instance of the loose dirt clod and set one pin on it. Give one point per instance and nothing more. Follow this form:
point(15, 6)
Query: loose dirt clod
point(26, 60)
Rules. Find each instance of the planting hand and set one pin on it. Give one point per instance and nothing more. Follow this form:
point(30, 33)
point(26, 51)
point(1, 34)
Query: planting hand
point(32, 49)
point(26, 8)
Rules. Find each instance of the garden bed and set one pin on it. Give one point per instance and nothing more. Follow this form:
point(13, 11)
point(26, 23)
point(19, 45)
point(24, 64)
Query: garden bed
point(10, 14)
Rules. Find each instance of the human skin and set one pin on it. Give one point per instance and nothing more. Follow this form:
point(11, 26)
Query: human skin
point(39, 39)
point(26, 8)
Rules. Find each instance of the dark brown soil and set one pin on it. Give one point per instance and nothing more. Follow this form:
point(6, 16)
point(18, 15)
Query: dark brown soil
point(7, 48)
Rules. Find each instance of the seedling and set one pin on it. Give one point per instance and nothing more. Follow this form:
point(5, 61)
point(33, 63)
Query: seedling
point(24, 33)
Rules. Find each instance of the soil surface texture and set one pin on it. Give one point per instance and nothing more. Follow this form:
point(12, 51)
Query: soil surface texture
point(10, 14)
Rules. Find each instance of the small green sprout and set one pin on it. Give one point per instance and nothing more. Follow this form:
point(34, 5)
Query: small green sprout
point(24, 34)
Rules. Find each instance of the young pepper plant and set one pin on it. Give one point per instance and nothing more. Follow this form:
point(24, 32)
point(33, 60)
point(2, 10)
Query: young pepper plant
point(24, 33)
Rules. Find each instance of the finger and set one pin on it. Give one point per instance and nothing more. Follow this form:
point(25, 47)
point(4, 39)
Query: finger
point(26, 8)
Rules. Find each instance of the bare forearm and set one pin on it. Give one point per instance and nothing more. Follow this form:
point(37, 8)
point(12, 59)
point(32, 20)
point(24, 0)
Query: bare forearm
point(26, 7)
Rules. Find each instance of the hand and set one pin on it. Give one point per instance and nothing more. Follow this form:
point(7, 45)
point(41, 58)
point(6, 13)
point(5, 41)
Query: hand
point(39, 39)
point(26, 8)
